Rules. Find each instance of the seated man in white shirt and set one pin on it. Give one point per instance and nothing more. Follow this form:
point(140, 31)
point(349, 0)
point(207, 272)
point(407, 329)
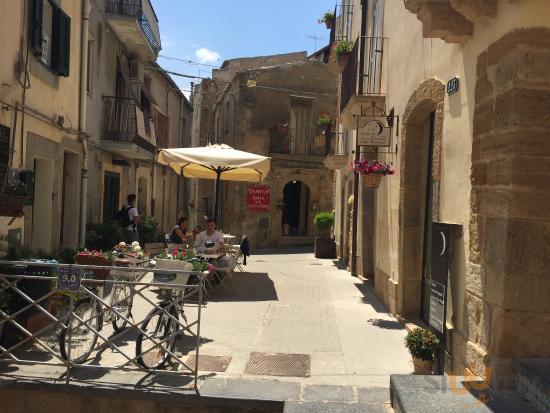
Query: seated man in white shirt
point(209, 241)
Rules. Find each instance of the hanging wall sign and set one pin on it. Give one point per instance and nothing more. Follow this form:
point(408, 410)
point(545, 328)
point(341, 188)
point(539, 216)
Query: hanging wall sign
point(373, 131)
point(258, 198)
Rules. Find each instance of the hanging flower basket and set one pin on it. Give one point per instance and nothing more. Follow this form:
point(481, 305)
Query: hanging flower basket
point(372, 171)
point(372, 181)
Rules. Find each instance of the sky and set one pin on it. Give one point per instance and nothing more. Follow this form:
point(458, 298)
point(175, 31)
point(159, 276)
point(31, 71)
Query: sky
point(212, 31)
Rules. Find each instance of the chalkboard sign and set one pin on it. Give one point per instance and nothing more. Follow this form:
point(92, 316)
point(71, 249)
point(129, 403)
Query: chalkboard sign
point(439, 275)
point(68, 278)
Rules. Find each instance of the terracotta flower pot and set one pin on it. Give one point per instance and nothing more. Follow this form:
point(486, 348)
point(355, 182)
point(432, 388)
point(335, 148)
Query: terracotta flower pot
point(422, 367)
point(329, 23)
point(326, 127)
point(343, 59)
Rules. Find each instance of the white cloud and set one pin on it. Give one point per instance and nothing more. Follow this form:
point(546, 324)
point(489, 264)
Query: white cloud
point(207, 56)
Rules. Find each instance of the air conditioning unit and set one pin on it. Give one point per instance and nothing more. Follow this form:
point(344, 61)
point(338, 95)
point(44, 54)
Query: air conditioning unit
point(136, 72)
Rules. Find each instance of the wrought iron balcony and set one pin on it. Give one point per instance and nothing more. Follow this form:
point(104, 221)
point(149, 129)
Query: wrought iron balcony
point(343, 26)
point(136, 25)
point(362, 78)
point(127, 131)
point(308, 142)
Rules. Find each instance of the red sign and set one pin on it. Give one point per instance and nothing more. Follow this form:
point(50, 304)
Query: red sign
point(258, 198)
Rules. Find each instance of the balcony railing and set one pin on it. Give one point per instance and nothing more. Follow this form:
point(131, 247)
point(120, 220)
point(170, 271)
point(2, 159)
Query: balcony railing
point(144, 14)
point(310, 142)
point(121, 123)
point(363, 79)
point(344, 22)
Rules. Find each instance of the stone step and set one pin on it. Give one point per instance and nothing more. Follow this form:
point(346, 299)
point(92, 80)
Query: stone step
point(533, 381)
point(452, 394)
point(334, 407)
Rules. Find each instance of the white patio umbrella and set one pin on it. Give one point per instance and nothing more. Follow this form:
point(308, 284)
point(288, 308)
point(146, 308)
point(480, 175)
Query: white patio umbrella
point(219, 162)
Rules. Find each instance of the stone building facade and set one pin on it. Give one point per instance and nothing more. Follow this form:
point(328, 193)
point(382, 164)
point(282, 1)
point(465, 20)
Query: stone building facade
point(40, 122)
point(270, 106)
point(474, 158)
point(133, 108)
point(85, 107)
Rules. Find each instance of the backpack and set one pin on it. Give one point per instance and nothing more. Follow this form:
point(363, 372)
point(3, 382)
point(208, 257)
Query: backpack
point(122, 216)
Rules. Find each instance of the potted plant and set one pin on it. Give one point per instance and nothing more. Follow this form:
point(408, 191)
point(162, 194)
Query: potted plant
point(325, 247)
point(421, 343)
point(325, 122)
point(328, 19)
point(343, 52)
point(372, 171)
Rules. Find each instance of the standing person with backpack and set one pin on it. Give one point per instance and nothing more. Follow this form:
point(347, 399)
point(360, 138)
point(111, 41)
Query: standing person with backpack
point(128, 217)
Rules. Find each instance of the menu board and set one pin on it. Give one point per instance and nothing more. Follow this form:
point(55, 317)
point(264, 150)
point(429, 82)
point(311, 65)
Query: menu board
point(258, 198)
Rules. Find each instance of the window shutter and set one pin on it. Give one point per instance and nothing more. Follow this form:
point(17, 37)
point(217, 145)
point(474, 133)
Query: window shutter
point(36, 27)
point(61, 42)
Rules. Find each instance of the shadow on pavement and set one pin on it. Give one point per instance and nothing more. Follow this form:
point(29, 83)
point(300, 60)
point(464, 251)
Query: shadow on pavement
point(283, 251)
point(370, 298)
point(386, 324)
point(247, 286)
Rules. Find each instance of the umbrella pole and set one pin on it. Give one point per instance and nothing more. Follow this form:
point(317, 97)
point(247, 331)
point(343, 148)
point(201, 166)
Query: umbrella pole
point(218, 189)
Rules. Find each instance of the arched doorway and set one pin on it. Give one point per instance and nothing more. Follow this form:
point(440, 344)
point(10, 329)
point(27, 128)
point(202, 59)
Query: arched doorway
point(295, 210)
point(419, 194)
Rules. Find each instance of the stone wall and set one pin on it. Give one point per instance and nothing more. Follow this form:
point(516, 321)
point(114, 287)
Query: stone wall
point(507, 284)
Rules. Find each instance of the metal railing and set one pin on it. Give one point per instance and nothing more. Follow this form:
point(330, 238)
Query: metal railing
point(365, 80)
point(343, 26)
point(294, 141)
point(43, 318)
point(120, 122)
point(144, 14)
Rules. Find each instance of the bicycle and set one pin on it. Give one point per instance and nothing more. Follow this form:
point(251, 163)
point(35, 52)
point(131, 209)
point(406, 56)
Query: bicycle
point(89, 310)
point(161, 326)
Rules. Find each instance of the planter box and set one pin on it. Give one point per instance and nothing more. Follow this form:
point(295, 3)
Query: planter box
point(94, 260)
point(325, 247)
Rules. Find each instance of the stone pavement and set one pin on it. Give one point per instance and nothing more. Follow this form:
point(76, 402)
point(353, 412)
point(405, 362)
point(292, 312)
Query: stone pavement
point(294, 303)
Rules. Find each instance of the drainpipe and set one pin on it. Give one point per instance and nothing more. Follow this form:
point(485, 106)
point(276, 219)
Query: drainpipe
point(86, 9)
point(360, 84)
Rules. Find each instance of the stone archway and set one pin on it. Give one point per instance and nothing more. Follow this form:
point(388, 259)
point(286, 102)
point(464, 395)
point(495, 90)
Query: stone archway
point(425, 102)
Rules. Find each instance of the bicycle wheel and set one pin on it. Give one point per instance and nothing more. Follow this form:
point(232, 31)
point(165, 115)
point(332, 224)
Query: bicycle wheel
point(122, 299)
point(159, 326)
point(83, 339)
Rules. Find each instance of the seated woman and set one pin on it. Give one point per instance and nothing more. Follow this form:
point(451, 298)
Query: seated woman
point(179, 234)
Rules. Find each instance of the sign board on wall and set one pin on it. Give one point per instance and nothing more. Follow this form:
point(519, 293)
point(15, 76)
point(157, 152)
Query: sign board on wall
point(258, 198)
point(373, 131)
point(439, 275)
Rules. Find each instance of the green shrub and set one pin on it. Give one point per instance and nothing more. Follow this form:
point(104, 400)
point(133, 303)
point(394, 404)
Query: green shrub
point(66, 255)
point(103, 236)
point(421, 343)
point(344, 47)
point(147, 230)
point(323, 221)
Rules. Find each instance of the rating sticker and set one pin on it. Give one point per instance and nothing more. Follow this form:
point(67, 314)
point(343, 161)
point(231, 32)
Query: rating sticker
point(68, 278)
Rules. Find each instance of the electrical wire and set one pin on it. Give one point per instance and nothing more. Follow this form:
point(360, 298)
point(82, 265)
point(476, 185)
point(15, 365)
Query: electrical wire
point(191, 62)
